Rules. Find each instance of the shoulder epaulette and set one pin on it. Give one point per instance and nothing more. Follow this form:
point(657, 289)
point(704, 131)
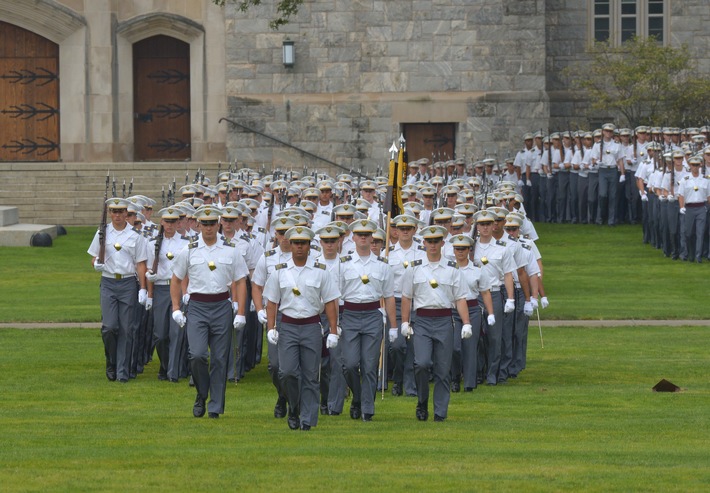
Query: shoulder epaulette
point(192, 245)
point(527, 237)
point(228, 242)
point(188, 238)
point(153, 238)
point(525, 246)
point(421, 247)
point(391, 248)
point(416, 262)
point(382, 259)
point(245, 237)
point(316, 248)
point(325, 212)
point(318, 265)
point(416, 240)
point(269, 253)
point(346, 258)
point(260, 229)
point(512, 238)
point(453, 264)
point(500, 242)
point(281, 266)
point(686, 178)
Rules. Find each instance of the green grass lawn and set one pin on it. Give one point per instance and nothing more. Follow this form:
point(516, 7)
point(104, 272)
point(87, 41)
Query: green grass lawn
point(591, 273)
point(582, 417)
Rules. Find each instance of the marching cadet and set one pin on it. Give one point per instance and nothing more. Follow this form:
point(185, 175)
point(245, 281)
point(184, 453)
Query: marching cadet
point(432, 286)
point(401, 256)
point(324, 213)
point(168, 336)
point(693, 196)
point(609, 155)
point(300, 290)
point(216, 272)
point(464, 363)
point(332, 383)
point(346, 213)
point(365, 279)
point(122, 274)
point(264, 269)
point(498, 261)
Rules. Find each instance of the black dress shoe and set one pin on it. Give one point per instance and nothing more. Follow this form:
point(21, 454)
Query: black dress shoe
point(333, 413)
point(324, 410)
point(111, 375)
point(294, 423)
point(396, 389)
point(455, 386)
point(355, 411)
point(162, 377)
point(468, 389)
point(280, 408)
point(122, 380)
point(422, 411)
point(438, 418)
point(173, 380)
point(305, 427)
point(198, 409)
point(367, 417)
point(213, 415)
point(490, 383)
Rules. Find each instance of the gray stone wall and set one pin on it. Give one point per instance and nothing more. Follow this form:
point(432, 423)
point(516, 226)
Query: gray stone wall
point(364, 67)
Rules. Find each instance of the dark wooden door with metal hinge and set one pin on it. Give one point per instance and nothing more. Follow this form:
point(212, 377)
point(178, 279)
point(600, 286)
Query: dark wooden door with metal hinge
point(434, 141)
point(29, 96)
point(161, 95)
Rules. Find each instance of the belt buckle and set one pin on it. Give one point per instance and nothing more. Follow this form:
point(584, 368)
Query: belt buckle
point(118, 276)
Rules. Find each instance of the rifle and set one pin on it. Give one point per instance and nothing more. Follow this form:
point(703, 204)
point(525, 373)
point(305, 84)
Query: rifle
point(162, 196)
point(130, 187)
point(123, 191)
point(158, 244)
point(113, 187)
point(102, 228)
point(635, 146)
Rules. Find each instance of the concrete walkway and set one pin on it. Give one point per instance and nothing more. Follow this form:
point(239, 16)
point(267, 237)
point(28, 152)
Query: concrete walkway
point(544, 323)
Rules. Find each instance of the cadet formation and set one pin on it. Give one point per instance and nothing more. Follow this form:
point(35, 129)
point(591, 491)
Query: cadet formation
point(354, 297)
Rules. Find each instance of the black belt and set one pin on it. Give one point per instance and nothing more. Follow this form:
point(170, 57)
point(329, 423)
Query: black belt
point(209, 298)
point(695, 204)
point(315, 319)
point(362, 307)
point(472, 303)
point(434, 312)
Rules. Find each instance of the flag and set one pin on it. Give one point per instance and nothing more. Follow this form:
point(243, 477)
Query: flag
point(398, 171)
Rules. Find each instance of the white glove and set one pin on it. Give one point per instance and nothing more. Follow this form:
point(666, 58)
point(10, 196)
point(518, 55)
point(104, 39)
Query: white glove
point(185, 299)
point(179, 318)
point(543, 302)
point(671, 198)
point(239, 322)
point(150, 276)
point(339, 330)
point(384, 315)
point(528, 183)
point(261, 315)
point(509, 306)
point(98, 267)
point(528, 308)
point(235, 306)
point(272, 336)
point(142, 296)
point(682, 210)
point(534, 303)
point(393, 334)
point(149, 303)
point(332, 341)
point(491, 319)
point(521, 183)
point(406, 329)
point(252, 308)
point(622, 178)
point(466, 331)
point(644, 197)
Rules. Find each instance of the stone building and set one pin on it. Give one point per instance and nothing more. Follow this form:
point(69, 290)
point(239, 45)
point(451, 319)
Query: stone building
point(140, 87)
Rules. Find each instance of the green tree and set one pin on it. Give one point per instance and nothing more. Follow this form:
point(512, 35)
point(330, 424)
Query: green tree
point(642, 81)
point(284, 9)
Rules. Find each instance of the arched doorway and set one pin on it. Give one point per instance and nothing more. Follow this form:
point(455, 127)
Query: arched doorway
point(29, 96)
point(161, 99)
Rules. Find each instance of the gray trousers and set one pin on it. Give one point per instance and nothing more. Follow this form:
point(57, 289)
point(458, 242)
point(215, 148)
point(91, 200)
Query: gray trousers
point(506, 340)
point(592, 197)
point(695, 218)
point(168, 337)
point(337, 387)
point(433, 347)
point(299, 350)
point(118, 297)
point(403, 355)
point(273, 366)
point(209, 334)
point(361, 340)
point(494, 334)
point(608, 183)
point(469, 348)
point(582, 191)
point(520, 335)
point(563, 190)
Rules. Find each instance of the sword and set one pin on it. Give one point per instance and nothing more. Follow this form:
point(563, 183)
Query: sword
point(539, 326)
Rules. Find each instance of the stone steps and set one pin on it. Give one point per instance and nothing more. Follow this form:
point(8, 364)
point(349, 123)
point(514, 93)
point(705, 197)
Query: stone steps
point(12, 233)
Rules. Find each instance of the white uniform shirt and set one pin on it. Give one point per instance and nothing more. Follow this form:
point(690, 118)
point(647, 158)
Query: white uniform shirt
point(476, 279)
point(399, 261)
point(197, 259)
point(694, 189)
point(500, 261)
point(122, 260)
point(612, 153)
point(421, 278)
point(301, 292)
point(322, 216)
point(267, 263)
point(169, 249)
point(379, 278)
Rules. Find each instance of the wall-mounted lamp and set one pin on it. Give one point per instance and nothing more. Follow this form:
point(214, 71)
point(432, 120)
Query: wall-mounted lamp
point(289, 53)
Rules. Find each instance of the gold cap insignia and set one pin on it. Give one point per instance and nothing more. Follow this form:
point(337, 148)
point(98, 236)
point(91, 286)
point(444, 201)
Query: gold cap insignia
point(299, 230)
point(208, 212)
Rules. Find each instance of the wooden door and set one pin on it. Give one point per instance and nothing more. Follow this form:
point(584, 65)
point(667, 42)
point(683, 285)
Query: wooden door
point(161, 95)
point(29, 96)
point(435, 141)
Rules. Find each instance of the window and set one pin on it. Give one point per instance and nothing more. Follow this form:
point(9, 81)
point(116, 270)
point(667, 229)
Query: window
point(617, 21)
